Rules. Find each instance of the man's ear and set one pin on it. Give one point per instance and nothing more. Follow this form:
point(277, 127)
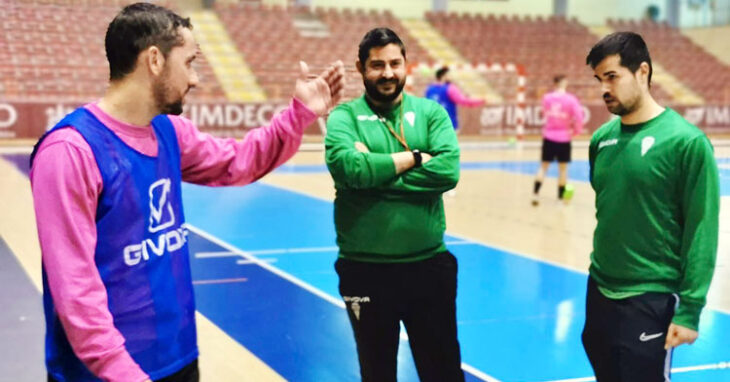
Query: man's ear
point(153, 58)
point(360, 67)
point(644, 72)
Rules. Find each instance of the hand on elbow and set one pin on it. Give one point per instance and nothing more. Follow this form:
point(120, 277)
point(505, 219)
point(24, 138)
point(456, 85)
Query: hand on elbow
point(425, 157)
point(359, 146)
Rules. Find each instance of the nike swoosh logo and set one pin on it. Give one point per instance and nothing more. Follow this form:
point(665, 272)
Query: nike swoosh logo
point(643, 337)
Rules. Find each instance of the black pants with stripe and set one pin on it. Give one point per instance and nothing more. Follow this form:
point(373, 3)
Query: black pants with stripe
point(624, 339)
point(423, 296)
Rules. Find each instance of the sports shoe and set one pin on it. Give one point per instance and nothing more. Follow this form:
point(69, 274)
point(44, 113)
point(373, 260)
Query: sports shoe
point(568, 193)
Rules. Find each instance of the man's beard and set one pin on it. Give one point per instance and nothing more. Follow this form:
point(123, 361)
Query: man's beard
point(163, 105)
point(620, 108)
point(175, 108)
point(371, 88)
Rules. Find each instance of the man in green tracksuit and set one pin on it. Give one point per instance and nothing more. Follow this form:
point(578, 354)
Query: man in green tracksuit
point(657, 207)
point(391, 156)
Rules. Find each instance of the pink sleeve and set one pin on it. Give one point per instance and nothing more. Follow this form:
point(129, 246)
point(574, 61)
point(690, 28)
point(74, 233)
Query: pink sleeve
point(456, 96)
point(577, 117)
point(66, 183)
point(221, 162)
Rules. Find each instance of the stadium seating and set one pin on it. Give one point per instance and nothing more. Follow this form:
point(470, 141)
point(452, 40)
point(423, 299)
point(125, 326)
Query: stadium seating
point(698, 69)
point(271, 42)
point(544, 46)
point(52, 51)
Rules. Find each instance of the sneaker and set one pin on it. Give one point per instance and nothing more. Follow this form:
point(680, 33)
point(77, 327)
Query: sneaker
point(568, 193)
point(535, 201)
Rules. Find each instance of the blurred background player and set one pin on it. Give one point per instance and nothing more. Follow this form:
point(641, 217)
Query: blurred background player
point(448, 95)
point(563, 120)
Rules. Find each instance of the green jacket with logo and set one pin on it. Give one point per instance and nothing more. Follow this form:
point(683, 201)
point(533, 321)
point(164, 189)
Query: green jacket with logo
point(657, 207)
point(380, 216)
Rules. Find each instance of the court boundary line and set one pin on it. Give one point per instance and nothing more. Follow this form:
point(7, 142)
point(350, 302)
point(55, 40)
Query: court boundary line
point(254, 260)
point(220, 281)
point(306, 286)
point(678, 370)
point(292, 251)
point(464, 241)
point(549, 262)
point(466, 238)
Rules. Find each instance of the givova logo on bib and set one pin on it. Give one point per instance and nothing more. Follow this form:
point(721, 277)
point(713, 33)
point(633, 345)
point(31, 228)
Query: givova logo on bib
point(161, 216)
point(161, 213)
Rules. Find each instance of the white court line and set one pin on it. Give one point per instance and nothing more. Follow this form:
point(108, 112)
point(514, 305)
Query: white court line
point(583, 379)
point(461, 242)
point(677, 370)
point(462, 238)
point(249, 262)
point(512, 252)
point(220, 281)
point(304, 285)
point(712, 366)
point(467, 239)
point(478, 373)
point(283, 251)
point(246, 255)
point(214, 255)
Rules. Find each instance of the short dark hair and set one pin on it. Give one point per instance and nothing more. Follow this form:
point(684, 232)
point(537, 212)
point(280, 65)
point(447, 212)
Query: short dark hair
point(558, 78)
point(442, 72)
point(628, 45)
point(376, 38)
point(137, 27)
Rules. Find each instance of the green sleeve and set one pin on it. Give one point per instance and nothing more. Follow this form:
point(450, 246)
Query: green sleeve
point(441, 173)
point(700, 209)
point(348, 166)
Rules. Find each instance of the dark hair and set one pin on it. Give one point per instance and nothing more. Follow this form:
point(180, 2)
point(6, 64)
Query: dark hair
point(137, 27)
point(377, 38)
point(628, 45)
point(558, 78)
point(442, 72)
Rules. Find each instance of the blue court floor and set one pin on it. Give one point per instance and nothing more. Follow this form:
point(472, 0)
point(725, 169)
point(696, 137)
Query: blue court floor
point(262, 260)
point(519, 319)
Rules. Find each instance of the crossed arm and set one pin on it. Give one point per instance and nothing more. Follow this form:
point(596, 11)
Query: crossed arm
point(353, 165)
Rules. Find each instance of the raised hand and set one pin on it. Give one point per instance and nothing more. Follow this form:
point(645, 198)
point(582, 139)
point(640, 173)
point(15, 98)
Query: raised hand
point(321, 93)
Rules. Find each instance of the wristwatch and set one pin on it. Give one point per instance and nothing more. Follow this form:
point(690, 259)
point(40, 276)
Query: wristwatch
point(417, 158)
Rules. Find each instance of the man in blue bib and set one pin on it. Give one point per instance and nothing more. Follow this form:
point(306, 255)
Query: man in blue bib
point(106, 182)
point(448, 95)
